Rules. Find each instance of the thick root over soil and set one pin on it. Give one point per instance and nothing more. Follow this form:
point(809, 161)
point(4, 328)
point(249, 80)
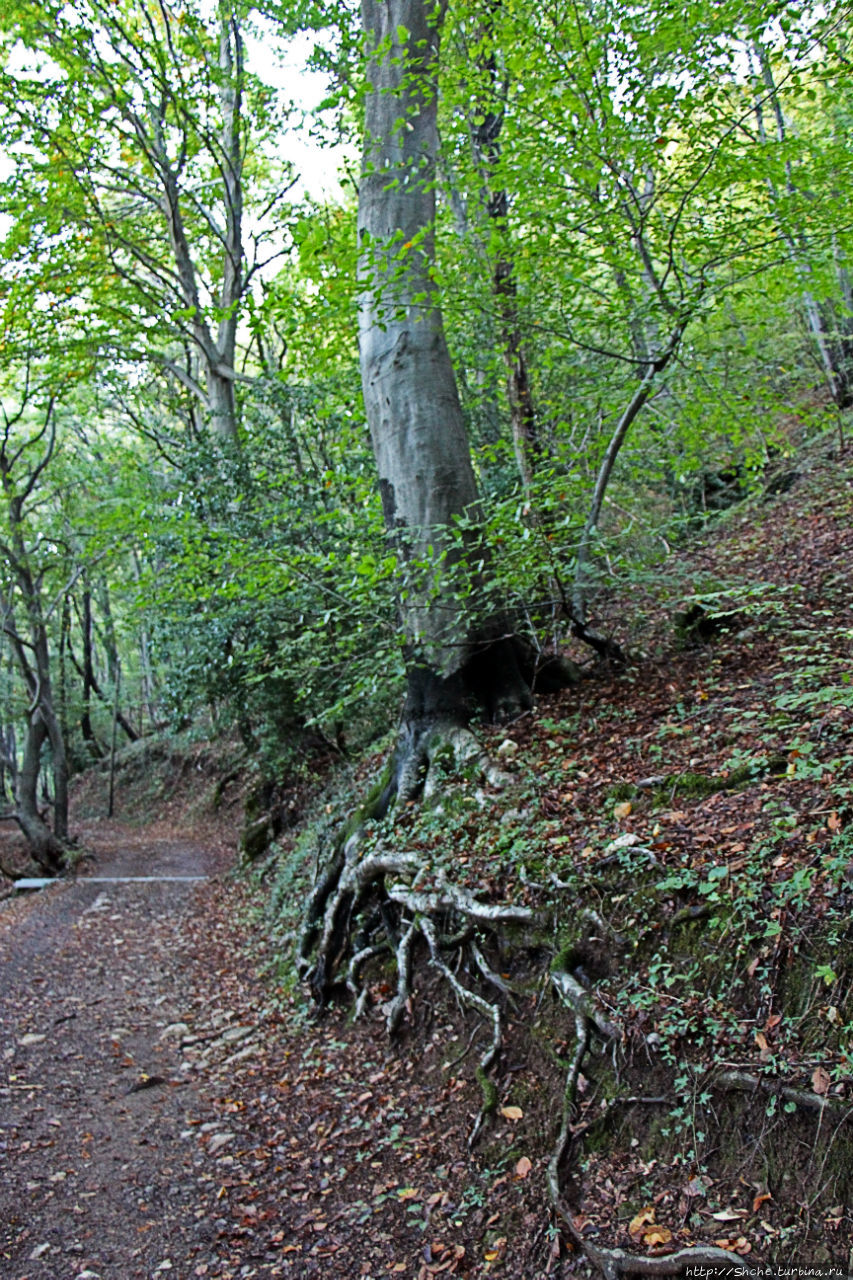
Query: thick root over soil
point(379, 901)
point(350, 882)
point(372, 901)
point(611, 1263)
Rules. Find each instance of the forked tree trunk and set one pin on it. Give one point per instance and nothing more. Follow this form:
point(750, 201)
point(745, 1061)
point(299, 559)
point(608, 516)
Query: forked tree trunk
point(458, 649)
point(31, 652)
point(45, 845)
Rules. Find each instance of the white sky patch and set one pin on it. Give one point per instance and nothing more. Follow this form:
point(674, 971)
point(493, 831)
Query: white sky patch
point(318, 165)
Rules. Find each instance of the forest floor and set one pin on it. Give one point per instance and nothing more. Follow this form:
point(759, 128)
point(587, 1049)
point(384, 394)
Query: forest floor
point(171, 1106)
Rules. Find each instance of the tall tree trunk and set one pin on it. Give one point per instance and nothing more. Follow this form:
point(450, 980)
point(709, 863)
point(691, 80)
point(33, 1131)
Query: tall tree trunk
point(45, 845)
point(833, 353)
point(87, 730)
point(458, 651)
point(31, 650)
point(486, 140)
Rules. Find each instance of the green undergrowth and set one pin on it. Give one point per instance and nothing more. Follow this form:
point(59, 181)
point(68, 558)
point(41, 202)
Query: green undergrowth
point(683, 834)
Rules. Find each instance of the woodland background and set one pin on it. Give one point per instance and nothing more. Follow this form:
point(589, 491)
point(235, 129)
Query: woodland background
point(641, 248)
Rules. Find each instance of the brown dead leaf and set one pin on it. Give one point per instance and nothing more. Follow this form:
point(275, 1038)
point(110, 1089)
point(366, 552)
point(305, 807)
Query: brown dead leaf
point(622, 810)
point(821, 1080)
point(523, 1167)
point(657, 1236)
point(759, 1200)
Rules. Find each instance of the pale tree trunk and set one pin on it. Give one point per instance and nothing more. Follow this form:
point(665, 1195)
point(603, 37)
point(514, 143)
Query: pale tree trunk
point(214, 344)
point(833, 352)
point(458, 653)
point(485, 137)
point(46, 845)
point(31, 651)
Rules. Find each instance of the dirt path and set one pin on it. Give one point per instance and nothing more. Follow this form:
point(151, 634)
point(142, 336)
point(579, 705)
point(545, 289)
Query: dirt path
point(103, 1173)
point(167, 1112)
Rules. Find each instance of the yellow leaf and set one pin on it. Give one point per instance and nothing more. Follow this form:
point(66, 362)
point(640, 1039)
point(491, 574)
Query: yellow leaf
point(622, 810)
point(512, 1113)
point(643, 1219)
point(657, 1235)
point(409, 1193)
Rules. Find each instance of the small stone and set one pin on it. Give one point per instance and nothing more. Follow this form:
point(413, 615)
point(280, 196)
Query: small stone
point(623, 842)
point(175, 1031)
point(233, 1034)
point(218, 1141)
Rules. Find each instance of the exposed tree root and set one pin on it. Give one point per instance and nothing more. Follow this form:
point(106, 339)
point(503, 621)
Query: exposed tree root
point(356, 964)
point(490, 1011)
point(574, 996)
point(450, 897)
point(612, 1263)
point(748, 1083)
point(401, 1001)
point(367, 903)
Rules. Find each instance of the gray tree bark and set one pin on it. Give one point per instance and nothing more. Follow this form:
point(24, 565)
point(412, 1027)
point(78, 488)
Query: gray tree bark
point(458, 650)
point(30, 648)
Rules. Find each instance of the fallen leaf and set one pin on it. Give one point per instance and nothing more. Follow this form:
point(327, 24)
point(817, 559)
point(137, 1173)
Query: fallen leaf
point(637, 1225)
point(523, 1167)
point(821, 1080)
point(729, 1215)
point(759, 1200)
point(657, 1235)
point(512, 1113)
point(622, 810)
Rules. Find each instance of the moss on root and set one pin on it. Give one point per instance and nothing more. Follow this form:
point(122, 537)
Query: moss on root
point(696, 785)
